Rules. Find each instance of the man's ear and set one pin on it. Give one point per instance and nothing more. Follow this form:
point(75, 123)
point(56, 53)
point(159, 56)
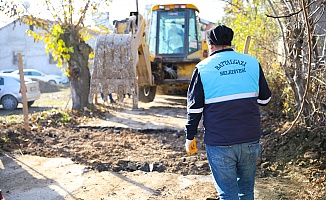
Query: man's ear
point(211, 47)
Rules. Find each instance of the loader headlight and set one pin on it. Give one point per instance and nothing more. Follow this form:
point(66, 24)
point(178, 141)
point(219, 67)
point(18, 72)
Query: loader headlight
point(162, 7)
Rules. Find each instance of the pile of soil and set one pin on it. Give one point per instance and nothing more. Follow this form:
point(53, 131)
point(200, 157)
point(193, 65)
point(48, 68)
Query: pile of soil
point(46, 87)
point(297, 158)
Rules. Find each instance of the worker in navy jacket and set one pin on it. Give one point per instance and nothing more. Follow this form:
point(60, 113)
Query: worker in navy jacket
point(227, 89)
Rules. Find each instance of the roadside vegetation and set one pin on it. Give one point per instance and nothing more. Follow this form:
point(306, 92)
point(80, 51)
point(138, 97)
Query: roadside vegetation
point(288, 38)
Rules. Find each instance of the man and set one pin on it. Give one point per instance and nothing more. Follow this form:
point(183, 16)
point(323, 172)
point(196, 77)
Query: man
point(110, 97)
point(175, 38)
point(227, 89)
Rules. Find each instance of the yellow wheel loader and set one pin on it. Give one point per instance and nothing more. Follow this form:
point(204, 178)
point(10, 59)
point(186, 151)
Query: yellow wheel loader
point(139, 55)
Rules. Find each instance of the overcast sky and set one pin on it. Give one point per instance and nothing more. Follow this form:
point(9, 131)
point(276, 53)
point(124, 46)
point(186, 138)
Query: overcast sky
point(211, 10)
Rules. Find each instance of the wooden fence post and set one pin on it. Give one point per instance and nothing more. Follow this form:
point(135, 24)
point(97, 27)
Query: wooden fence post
point(23, 92)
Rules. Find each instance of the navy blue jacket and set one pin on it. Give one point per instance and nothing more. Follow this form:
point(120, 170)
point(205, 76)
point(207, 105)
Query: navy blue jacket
point(227, 89)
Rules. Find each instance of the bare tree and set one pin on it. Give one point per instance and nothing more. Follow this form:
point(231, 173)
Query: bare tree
point(303, 27)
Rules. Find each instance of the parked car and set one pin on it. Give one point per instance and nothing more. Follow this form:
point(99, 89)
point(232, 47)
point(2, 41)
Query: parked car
point(10, 93)
point(35, 74)
point(64, 79)
point(7, 70)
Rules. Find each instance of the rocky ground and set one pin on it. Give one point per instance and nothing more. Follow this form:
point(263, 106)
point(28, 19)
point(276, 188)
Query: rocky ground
point(148, 144)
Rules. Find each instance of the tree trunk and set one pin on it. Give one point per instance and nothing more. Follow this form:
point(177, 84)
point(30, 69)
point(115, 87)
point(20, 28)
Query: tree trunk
point(295, 69)
point(80, 76)
point(78, 70)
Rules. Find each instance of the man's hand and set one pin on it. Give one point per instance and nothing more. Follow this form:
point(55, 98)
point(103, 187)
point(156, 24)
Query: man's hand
point(191, 147)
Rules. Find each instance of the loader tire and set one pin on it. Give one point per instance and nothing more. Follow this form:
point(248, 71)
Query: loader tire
point(147, 93)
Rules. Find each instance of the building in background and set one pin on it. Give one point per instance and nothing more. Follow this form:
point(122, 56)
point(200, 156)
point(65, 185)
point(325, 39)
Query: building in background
point(14, 40)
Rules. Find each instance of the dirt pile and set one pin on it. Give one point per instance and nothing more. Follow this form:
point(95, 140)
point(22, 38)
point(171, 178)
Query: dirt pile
point(297, 157)
point(46, 87)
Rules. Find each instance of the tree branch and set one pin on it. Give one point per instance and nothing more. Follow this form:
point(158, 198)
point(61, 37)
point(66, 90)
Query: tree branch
point(284, 16)
point(305, 14)
point(82, 16)
point(283, 34)
point(64, 13)
point(70, 11)
point(51, 11)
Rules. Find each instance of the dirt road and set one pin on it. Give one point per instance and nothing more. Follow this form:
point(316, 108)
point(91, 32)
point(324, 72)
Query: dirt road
point(122, 154)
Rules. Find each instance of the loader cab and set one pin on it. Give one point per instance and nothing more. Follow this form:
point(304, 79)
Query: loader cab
point(173, 31)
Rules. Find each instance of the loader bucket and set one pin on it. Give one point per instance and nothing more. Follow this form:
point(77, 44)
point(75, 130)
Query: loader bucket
point(114, 69)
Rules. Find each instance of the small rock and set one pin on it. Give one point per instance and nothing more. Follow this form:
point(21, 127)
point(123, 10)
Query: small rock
point(156, 167)
point(265, 165)
point(123, 162)
point(115, 168)
point(311, 155)
point(97, 144)
point(202, 165)
point(131, 167)
point(183, 159)
point(144, 167)
point(116, 151)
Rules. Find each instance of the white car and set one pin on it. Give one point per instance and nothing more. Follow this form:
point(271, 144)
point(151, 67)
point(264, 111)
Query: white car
point(10, 93)
point(35, 74)
point(7, 70)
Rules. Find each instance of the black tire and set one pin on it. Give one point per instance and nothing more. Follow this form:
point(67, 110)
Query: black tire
point(9, 102)
point(30, 103)
point(52, 82)
point(147, 93)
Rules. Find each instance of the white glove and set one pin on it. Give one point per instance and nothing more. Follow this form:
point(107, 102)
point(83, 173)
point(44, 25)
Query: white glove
point(191, 146)
point(187, 144)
